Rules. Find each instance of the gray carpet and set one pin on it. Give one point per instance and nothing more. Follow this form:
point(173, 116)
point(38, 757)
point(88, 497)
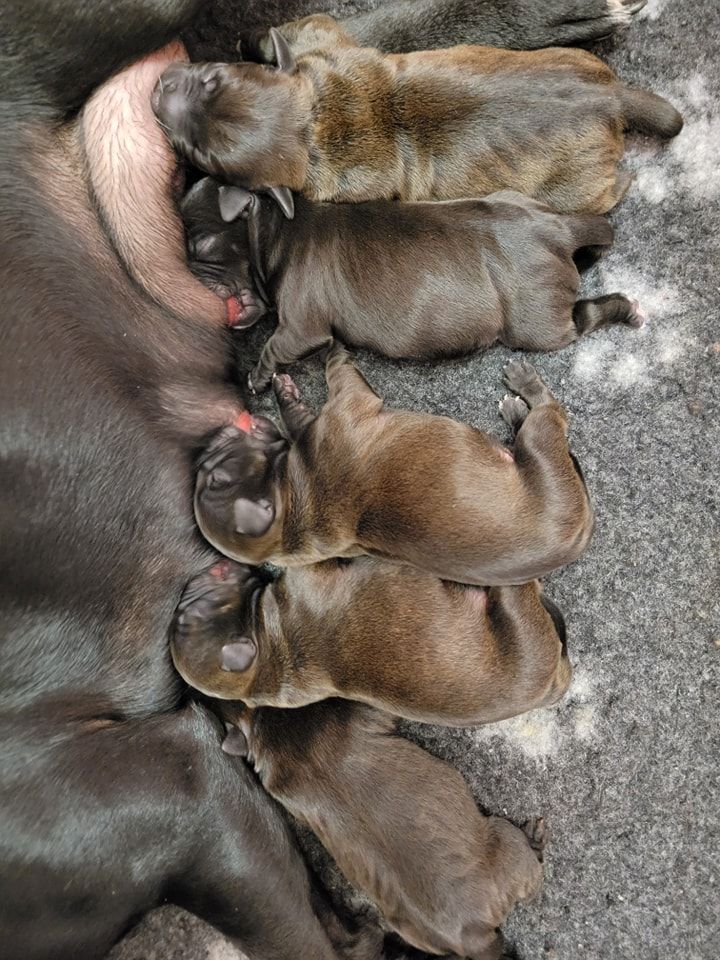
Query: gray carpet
point(625, 769)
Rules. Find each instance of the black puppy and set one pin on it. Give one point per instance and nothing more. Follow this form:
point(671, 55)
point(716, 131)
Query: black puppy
point(414, 280)
point(114, 794)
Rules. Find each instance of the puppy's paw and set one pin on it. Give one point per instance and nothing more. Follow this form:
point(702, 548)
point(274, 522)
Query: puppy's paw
point(285, 387)
point(579, 21)
point(537, 834)
point(636, 316)
point(513, 410)
point(522, 378)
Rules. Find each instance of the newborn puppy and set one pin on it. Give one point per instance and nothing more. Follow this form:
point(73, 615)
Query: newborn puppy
point(469, 272)
point(339, 122)
point(400, 824)
point(407, 486)
point(385, 634)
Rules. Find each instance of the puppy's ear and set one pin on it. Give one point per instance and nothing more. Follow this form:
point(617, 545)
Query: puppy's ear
point(283, 55)
point(284, 199)
point(253, 518)
point(238, 656)
point(234, 202)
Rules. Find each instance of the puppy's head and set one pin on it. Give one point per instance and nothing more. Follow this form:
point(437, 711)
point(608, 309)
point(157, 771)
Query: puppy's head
point(237, 490)
point(214, 644)
point(218, 252)
point(241, 122)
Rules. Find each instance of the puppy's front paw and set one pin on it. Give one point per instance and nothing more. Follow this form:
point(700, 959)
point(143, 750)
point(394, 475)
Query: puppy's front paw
point(285, 387)
point(257, 381)
point(522, 378)
point(513, 410)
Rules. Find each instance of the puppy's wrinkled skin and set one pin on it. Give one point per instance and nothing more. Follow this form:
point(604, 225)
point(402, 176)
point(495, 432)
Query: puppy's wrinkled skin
point(339, 122)
point(401, 824)
point(384, 634)
point(426, 490)
point(417, 280)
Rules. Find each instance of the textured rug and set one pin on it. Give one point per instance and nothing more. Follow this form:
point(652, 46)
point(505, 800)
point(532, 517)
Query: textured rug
point(625, 769)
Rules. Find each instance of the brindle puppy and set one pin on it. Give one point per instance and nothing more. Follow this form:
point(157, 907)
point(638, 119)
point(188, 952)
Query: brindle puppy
point(426, 490)
point(342, 122)
point(470, 273)
point(384, 634)
point(386, 810)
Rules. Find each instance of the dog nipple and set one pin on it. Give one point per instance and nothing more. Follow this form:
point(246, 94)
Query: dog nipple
point(244, 421)
point(233, 311)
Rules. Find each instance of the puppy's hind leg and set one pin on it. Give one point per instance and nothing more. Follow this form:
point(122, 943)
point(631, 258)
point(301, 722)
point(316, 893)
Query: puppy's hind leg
point(549, 471)
point(588, 315)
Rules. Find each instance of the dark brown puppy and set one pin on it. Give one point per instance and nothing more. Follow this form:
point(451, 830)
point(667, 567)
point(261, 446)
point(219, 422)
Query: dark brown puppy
point(415, 280)
point(340, 122)
point(426, 490)
point(385, 634)
point(401, 824)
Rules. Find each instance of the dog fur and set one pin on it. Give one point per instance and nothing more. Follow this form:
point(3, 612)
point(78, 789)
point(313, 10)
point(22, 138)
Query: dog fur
point(383, 807)
point(383, 634)
point(339, 122)
point(420, 280)
point(421, 489)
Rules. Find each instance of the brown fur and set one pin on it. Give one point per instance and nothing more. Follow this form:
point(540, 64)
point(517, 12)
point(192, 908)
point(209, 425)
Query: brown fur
point(351, 124)
point(470, 273)
point(387, 635)
point(407, 486)
point(386, 811)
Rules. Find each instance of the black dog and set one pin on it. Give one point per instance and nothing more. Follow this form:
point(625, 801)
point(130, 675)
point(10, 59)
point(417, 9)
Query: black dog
point(114, 794)
point(417, 280)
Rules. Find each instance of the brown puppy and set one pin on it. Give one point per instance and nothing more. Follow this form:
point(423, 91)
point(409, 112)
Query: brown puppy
point(401, 825)
point(426, 490)
point(405, 279)
point(385, 634)
point(339, 122)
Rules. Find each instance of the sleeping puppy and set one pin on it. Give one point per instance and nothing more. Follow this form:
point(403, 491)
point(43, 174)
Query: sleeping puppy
point(406, 486)
point(335, 121)
point(401, 825)
point(470, 272)
point(385, 634)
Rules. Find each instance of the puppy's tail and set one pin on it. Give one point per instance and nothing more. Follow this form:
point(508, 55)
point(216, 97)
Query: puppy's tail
point(649, 113)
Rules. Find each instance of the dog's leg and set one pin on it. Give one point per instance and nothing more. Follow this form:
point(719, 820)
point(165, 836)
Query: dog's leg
point(588, 315)
point(346, 383)
point(531, 630)
point(286, 345)
point(295, 415)
point(515, 24)
point(549, 471)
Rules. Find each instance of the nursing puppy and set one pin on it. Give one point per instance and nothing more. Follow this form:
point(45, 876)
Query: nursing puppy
point(417, 280)
point(340, 122)
point(425, 490)
point(401, 825)
point(385, 634)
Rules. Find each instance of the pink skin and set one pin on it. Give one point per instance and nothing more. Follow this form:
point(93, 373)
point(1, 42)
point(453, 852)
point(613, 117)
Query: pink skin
point(133, 171)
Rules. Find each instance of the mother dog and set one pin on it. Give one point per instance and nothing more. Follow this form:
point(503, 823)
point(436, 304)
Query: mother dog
point(114, 793)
